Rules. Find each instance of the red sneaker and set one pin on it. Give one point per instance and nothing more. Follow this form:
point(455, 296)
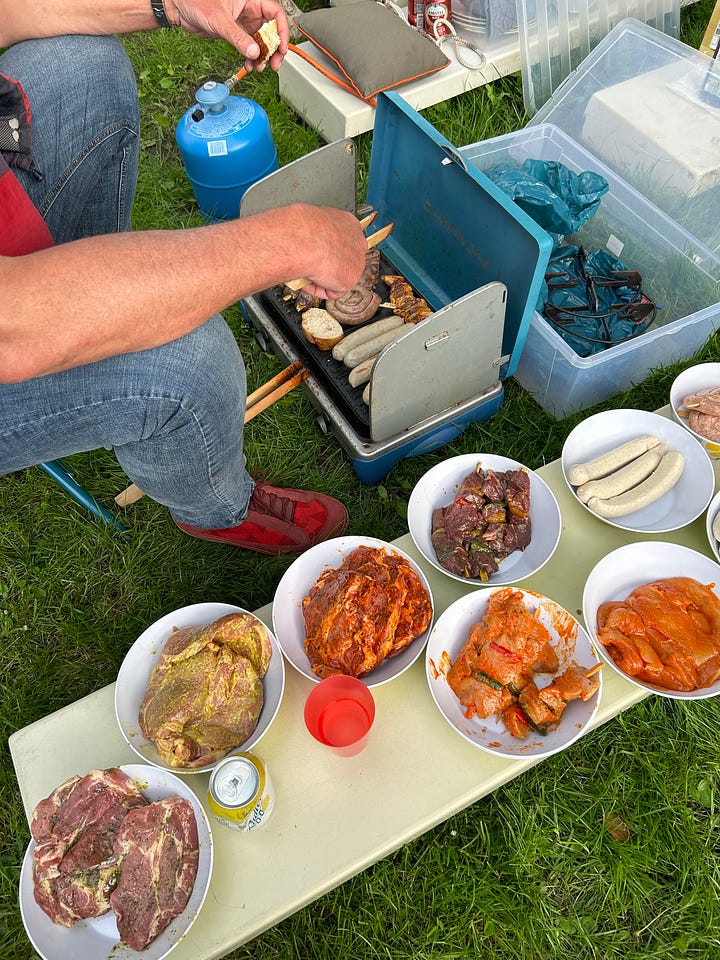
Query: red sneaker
point(280, 521)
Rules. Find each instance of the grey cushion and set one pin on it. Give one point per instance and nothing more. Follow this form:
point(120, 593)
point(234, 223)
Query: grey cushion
point(374, 48)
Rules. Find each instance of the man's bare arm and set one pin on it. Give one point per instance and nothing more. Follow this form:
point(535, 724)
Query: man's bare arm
point(94, 298)
point(232, 20)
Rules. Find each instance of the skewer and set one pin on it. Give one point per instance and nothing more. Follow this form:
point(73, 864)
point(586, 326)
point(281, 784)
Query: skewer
point(372, 241)
point(593, 670)
point(129, 495)
point(276, 394)
point(272, 383)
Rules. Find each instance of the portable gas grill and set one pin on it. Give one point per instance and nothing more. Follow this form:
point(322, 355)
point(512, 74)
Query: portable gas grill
point(460, 242)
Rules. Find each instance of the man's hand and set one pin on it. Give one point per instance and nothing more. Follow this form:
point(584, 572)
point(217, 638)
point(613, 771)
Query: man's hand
point(338, 246)
point(235, 21)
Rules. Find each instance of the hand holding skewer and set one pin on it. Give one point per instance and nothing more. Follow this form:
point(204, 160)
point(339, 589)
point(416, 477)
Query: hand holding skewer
point(372, 241)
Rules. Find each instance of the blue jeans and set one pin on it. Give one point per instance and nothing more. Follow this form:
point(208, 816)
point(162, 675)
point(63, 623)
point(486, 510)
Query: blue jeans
point(173, 415)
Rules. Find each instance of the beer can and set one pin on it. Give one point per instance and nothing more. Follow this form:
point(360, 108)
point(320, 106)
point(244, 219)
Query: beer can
point(241, 794)
point(416, 14)
point(435, 11)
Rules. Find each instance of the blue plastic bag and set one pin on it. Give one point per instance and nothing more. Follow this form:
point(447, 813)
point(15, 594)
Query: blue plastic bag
point(557, 199)
point(593, 300)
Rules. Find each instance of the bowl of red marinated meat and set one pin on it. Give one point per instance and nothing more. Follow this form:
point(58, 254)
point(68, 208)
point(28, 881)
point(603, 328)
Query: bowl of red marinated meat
point(513, 673)
point(484, 519)
point(653, 609)
point(119, 865)
point(356, 606)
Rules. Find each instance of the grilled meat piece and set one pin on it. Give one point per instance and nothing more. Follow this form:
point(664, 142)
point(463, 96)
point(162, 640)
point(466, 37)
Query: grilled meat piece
point(357, 615)
point(371, 273)
point(303, 299)
point(411, 308)
point(205, 692)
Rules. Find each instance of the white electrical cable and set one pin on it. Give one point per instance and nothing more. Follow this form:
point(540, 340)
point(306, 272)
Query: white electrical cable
point(459, 42)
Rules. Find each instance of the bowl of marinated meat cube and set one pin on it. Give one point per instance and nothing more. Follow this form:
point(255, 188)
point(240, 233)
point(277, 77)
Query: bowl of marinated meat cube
point(484, 519)
point(513, 672)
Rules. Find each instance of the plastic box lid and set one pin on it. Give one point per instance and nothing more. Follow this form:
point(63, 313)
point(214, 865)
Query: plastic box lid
point(648, 106)
point(454, 229)
point(556, 37)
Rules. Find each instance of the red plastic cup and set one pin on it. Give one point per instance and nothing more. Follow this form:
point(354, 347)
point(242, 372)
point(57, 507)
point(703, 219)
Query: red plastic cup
point(339, 713)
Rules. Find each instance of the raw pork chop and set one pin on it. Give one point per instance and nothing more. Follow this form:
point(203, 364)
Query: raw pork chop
point(74, 830)
point(157, 847)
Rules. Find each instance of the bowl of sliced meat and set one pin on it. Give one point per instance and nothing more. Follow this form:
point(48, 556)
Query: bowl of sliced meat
point(484, 519)
point(513, 672)
point(695, 403)
point(89, 880)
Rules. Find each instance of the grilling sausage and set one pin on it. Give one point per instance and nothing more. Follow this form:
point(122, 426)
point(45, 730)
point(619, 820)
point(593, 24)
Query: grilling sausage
point(366, 350)
point(366, 333)
point(355, 307)
point(362, 372)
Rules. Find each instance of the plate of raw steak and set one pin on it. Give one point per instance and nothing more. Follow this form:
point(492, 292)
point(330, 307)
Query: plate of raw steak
point(118, 866)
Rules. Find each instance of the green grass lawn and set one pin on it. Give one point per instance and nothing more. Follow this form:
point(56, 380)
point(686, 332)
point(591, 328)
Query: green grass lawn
point(608, 850)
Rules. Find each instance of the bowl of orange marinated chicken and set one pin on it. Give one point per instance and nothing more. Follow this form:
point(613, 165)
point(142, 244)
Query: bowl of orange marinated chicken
point(653, 609)
point(513, 672)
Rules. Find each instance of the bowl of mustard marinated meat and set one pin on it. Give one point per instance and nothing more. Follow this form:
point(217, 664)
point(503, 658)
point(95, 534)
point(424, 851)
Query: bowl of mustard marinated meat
point(197, 684)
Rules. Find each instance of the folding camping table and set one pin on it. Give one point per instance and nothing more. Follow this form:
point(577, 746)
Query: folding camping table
point(335, 816)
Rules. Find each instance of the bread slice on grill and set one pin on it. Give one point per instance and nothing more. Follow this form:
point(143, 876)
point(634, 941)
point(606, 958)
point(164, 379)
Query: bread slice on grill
point(321, 329)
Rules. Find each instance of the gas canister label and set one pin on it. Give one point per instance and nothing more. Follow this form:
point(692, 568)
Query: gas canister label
point(217, 148)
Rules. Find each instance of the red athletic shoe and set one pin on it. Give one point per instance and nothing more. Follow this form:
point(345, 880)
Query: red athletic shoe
point(280, 521)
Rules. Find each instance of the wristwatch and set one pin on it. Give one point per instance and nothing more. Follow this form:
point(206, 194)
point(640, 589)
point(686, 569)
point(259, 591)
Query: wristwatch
point(158, 8)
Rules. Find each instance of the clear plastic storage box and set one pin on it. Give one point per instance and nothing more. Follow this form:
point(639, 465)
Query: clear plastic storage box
point(640, 111)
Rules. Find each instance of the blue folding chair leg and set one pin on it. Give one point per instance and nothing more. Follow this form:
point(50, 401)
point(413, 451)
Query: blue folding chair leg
point(60, 474)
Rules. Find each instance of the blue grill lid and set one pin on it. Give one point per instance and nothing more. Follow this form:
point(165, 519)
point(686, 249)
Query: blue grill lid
point(455, 230)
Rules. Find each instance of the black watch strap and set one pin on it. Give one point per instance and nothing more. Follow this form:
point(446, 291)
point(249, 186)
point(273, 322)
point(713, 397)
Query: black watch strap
point(158, 8)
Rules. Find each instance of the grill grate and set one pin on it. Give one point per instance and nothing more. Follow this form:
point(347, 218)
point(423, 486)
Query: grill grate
point(331, 373)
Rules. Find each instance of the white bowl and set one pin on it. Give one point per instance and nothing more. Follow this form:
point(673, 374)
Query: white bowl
point(695, 378)
point(296, 583)
point(438, 487)
point(712, 512)
point(98, 938)
point(135, 670)
point(680, 506)
point(572, 645)
point(621, 570)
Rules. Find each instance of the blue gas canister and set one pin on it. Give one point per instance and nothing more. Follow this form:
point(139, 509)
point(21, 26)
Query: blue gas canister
point(226, 145)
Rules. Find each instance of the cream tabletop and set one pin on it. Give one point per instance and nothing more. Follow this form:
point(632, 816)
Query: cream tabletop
point(335, 816)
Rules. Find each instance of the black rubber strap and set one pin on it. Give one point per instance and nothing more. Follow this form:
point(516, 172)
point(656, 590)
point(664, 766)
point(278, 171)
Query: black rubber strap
point(158, 9)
